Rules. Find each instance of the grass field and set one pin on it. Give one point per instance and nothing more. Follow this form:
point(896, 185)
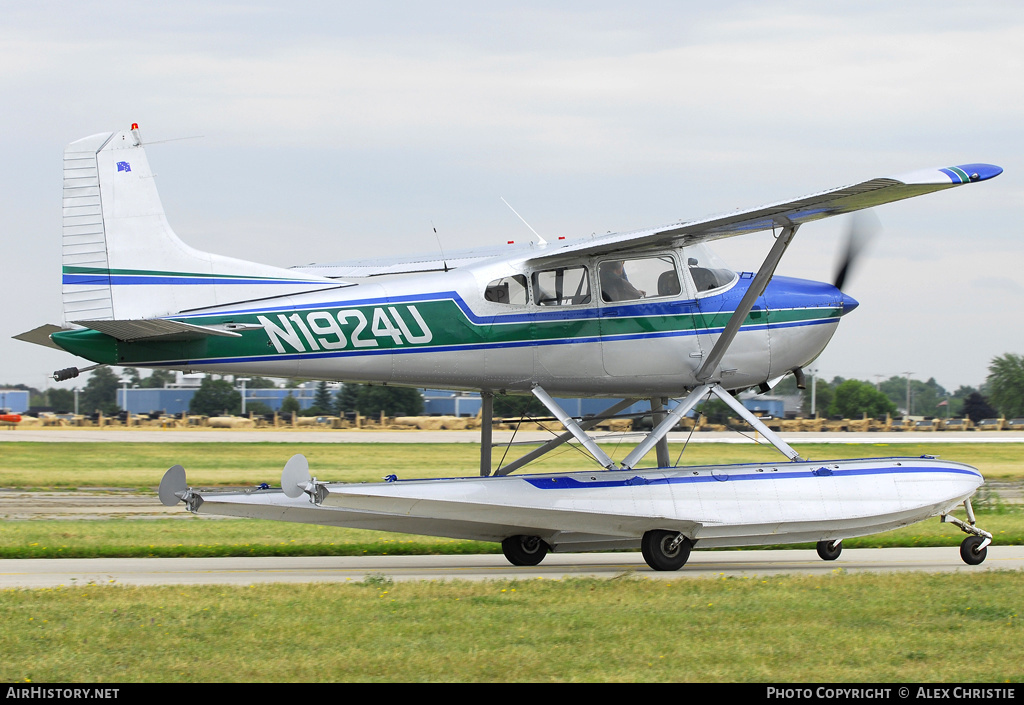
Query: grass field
point(141, 465)
point(862, 628)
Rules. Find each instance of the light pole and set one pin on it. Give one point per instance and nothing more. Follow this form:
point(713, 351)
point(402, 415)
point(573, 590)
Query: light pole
point(124, 400)
point(243, 380)
point(908, 391)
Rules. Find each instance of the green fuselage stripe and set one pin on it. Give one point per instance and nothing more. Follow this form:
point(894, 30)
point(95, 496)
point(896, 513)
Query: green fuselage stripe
point(393, 328)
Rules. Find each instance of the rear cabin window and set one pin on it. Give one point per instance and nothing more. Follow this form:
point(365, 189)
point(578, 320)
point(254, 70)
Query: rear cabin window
point(508, 290)
point(565, 286)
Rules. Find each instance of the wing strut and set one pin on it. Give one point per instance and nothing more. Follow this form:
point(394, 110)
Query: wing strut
point(707, 374)
point(707, 371)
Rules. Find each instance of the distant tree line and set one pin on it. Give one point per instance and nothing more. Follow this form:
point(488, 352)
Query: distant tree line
point(220, 396)
point(1001, 394)
point(216, 397)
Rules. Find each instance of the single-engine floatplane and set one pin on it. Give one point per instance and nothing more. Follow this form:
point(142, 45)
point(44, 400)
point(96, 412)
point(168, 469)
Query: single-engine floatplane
point(652, 314)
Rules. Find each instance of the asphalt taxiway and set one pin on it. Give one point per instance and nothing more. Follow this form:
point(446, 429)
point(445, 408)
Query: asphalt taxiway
point(69, 572)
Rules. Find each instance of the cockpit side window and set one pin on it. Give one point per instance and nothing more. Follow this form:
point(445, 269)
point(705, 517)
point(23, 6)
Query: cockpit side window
point(640, 278)
point(707, 269)
point(706, 279)
point(564, 286)
point(508, 290)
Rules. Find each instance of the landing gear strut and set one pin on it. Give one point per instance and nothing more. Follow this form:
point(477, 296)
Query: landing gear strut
point(974, 548)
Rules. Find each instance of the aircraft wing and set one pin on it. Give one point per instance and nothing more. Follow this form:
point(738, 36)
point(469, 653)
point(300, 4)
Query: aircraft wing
point(407, 264)
point(839, 201)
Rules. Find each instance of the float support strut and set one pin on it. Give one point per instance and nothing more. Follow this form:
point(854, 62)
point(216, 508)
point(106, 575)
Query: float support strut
point(486, 424)
point(667, 424)
point(584, 425)
point(755, 422)
point(573, 427)
point(657, 416)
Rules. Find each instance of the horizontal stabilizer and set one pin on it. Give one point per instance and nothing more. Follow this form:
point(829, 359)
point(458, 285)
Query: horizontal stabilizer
point(154, 328)
point(41, 336)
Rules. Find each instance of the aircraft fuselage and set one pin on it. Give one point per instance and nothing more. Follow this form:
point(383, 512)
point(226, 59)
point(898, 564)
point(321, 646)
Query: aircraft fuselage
point(441, 329)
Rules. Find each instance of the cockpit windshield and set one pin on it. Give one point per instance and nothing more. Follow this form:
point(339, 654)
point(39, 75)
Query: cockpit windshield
point(707, 269)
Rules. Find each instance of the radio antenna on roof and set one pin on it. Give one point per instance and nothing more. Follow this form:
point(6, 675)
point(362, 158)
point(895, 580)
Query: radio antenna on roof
point(438, 238)
point(540, 240)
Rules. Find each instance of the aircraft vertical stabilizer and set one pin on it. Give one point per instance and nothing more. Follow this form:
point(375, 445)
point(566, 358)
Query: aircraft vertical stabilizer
point(122, 260)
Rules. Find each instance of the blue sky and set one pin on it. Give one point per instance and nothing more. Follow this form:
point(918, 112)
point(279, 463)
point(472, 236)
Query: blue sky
point(335, 130)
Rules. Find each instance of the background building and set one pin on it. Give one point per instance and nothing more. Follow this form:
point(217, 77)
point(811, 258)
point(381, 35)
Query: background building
point(15, 400)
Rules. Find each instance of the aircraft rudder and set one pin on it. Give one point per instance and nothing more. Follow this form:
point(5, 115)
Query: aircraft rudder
point(121, 258)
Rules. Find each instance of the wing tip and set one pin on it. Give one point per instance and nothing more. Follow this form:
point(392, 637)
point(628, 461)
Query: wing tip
point(978, 172)
point(951, 175)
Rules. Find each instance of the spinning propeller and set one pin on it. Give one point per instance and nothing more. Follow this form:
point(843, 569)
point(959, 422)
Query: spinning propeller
point(864, 225)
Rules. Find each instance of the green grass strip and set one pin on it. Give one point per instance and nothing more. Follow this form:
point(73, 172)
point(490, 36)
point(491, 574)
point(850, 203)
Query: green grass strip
point(838, 628)
point(29, 465)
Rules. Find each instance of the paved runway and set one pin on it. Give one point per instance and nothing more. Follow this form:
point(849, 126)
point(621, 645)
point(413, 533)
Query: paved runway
point(40, 573)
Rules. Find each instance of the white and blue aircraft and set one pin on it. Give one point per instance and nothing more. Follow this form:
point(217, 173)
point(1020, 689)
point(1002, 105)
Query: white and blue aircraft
point(651, 314)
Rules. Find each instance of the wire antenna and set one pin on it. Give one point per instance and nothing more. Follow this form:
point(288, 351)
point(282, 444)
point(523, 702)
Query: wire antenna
point(438, 238)
point(540, 240)
point(175, 139)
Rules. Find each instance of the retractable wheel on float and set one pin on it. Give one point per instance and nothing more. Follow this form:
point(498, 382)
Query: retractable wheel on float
point(665, 550)
point(524, 550)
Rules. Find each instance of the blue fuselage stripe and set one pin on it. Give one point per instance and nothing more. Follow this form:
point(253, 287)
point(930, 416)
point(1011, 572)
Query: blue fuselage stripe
point(571, 483)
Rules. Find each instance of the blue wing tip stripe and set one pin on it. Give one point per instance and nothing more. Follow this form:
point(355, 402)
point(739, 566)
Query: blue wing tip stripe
point(966, 173)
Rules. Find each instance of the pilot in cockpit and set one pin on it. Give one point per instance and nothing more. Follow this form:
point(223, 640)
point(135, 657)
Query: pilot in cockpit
point(614, 284)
